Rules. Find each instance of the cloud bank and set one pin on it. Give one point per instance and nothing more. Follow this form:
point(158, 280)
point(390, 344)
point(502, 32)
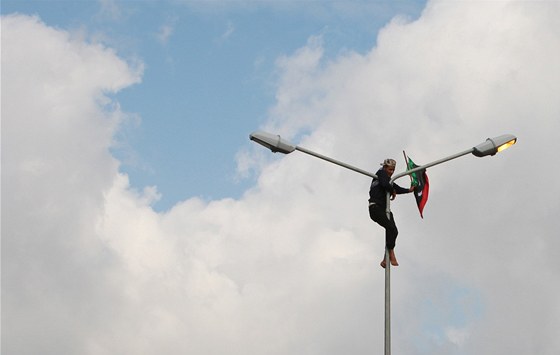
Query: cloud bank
point(88, 267)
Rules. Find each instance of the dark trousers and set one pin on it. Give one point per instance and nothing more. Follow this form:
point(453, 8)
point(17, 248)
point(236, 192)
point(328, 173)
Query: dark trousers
point(379, 215)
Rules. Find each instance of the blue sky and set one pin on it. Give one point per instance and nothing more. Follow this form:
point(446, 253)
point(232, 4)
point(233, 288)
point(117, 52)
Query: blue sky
point(209, 75)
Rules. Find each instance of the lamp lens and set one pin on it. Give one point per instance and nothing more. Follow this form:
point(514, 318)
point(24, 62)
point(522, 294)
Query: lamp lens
point(506, 145)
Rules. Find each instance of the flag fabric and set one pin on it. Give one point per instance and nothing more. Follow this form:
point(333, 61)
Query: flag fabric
point(421, 184)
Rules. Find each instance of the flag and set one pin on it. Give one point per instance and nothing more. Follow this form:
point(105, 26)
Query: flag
point(421, 184)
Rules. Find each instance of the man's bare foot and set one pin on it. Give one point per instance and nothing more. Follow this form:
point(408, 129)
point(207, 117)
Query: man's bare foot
point(383, 263)
point(393, 258)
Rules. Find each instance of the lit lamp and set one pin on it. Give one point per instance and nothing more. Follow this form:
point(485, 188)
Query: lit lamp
point(494, 145)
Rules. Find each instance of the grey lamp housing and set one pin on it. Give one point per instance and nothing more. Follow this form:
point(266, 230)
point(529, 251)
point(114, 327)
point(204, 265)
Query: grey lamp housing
point(272, 142)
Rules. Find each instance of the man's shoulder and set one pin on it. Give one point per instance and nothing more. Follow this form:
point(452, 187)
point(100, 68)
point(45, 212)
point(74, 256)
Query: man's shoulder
point(381, 173)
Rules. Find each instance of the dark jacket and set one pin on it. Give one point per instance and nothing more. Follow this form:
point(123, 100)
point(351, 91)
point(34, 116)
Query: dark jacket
point(380, 186)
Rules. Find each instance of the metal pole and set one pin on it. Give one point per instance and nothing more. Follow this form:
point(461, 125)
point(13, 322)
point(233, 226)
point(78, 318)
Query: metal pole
point(388, 211)
point(387, 303)
point(334, 161)
point(388, 289)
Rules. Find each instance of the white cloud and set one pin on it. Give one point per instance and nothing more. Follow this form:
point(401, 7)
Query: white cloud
point(292, 267)
point(110, 9)
point(229, 31)
point(57, 125)
point(165, 32)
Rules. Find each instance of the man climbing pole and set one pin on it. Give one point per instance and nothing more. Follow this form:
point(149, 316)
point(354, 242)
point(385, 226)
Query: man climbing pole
point(378, 190)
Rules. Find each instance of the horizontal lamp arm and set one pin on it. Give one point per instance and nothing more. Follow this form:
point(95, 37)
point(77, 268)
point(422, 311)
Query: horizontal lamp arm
point(334, 161)
point(436, 162)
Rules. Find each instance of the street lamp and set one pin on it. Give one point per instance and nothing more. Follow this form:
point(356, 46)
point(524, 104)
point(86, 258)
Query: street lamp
point(490, 147)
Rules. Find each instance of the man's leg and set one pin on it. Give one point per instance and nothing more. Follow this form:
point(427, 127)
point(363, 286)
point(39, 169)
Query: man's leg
point(391, 233)
point(379, 215)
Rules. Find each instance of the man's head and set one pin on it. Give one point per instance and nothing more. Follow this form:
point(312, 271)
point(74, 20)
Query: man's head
point(389, 166)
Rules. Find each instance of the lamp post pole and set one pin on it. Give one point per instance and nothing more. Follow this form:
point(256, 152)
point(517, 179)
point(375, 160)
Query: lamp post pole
point(387, 338)
point(490, 147)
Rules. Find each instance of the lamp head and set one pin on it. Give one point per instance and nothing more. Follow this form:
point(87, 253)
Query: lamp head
point(494, 145)
point(272, 142)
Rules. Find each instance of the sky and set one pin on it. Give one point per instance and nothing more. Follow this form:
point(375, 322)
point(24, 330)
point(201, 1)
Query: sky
point(208, 76)
point(138, 218)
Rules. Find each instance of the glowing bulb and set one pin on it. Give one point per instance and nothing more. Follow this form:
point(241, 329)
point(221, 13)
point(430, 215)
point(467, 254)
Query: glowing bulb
point(507, 145)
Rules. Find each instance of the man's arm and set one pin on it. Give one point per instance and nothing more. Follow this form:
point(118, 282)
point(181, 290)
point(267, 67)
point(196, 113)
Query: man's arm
point(401, 190)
